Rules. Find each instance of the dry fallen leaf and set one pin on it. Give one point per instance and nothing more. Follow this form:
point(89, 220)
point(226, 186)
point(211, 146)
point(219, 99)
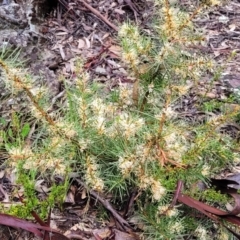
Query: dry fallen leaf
point(102, 233)
point(123, 236)
point(116, 50)
point(88, 44)
point(61, 51)
point(119, 11)
point(81, 43)
point(100, 70)
point(2, 173)
point(40, 187)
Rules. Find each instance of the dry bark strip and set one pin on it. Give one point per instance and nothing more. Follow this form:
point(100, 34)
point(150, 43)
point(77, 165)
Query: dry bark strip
point(36, 229)
point(213, 213)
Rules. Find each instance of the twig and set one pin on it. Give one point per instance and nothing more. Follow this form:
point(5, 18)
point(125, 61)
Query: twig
point(124, 224)
point(28, 139)
point(133, 8)
point(131, 202)
point(6, 197)
point(91, 61)
point(97, 13)
point(59, 95)
point(21, 23)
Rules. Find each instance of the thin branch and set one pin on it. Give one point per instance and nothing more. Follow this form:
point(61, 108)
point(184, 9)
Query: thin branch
point(124, 224)
point(97, 13)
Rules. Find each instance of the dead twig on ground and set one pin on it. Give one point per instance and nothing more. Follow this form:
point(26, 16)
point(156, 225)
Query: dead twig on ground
point(91, 61)
point(133, 8)
point(21, 23)
point(124, 224)
point(98, 14)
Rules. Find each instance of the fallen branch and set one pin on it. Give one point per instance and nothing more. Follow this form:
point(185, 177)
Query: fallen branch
point(124, 224)
point(9, 19)
point(97, 13)
point(133, 8)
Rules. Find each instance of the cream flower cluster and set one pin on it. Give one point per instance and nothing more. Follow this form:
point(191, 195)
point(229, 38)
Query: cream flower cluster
point(125, 95)
point(135, 164)
point(18, 154)
point(83, 109)
point(66, 128)
point(201, 232)
point(166, 210)
point(132, 162)
point(124, 125)
point(127, 125)
point(135, 48)
point(92, 174)
point(32, 160)
point(176, 146)
point(102, 113)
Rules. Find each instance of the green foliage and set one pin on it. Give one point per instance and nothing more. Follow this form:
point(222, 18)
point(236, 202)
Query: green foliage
point(211, 106)
point(212, 197)
point(30, 201)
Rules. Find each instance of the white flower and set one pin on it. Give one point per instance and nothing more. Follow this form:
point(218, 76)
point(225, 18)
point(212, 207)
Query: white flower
point(60, 169)
point(38, 91)
point(29, 165)
point(223, 236)
point(129, 126)
point(177, 227)
point(176, 146)
point(139, 122)
point(83, 144)
point(125, 94)
point(129, 31)
point(168, 112)
point(17, 154)
point(67, 128)
point(145, 181)
point(201, 232)
point(170, 212)
point(92, 175)
point(98, 185)
point(126, 164)
point(205, 170)
point(216, 120)
point(143, 152)
point(56, 142)
point(150, 87)
point(158, 190)
point(236, 158)
point(100, 124)
point(36, 113)
point(124, 30)
point(131, 57)
point(97, 106)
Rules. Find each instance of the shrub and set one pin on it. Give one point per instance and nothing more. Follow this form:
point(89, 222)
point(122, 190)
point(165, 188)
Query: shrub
point(132, 137)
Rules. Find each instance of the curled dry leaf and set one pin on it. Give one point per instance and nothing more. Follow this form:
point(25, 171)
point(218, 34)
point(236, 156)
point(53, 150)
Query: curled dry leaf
point(81, 43)
point(119, 235)
point(40, 187)
point(102, 233)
